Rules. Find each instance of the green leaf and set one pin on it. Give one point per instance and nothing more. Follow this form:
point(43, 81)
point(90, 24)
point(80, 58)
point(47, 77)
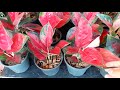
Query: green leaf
point(3, 57)
point(25, 21)
point(105, 19)
point(113, 45)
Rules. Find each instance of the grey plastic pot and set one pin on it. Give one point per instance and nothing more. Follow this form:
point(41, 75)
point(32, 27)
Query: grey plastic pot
point(20, 68)
point(103, 72)
point(50, 72)
point(75, 71)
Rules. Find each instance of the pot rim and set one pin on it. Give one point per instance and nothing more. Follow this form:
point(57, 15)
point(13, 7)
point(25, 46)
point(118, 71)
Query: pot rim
point(51, 68)
point(16, 64)
point(74, 67)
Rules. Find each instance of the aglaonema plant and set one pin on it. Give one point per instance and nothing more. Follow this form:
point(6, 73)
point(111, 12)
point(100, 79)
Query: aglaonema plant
point(112, 36)
point(11, 46)
point(84, 45)
point(81, 38)
point(40, 46)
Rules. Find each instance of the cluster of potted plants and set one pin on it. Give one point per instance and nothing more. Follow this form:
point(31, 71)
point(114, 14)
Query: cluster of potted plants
point(87, 43)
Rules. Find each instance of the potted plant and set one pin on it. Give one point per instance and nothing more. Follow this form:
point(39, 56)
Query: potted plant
point(57, 20)
point(111, 38)
point(81, 38)
point(13, 52)
point(47, 58)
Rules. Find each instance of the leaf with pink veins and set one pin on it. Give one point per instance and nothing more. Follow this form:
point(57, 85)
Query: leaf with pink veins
point(5, 40)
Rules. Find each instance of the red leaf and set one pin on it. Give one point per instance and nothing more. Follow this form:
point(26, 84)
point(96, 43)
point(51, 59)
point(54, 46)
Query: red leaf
point(50, 17)
point(72, 50)
point(18, 42)
point(91, 56)
point(46, 35)
point(32, 27)
point(36, 42)
point(76, 18)
point(62, 44)
point(107, 55)
point(74, 59)
point(7, 25)
point(12, 16)
point(65, 19)
point(95, 28)
point(90, 16)
point(16, 59)
point(5, 40)
point(15, 17)
point(55, 50)
point(71, 33)
point(84, 33)
point(103, 36)
point(18, 18)
point(36, 52)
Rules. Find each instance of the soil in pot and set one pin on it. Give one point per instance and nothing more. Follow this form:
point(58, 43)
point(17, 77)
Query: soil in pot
point(76, 64)
point(52, 62)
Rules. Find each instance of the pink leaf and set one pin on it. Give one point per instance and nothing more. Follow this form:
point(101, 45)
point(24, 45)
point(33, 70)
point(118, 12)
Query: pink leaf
point(91, 56)
point(65, 19)
point(18, 42)
point(55, 50)
point(17, 58)
point(72, 50)
point(36, 42)
point(18, 18)
point(12, 16)
point(84, 33)
point(107, 55)
point(46, 17)
point(90, 16)
point(76, 18)
point(62, 44)
point(36, 52)
point(74, 59)
point(8, 25)
point(46, 35)
point(5, 40)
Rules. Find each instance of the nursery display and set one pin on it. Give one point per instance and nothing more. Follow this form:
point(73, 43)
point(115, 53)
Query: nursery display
point(90, 39)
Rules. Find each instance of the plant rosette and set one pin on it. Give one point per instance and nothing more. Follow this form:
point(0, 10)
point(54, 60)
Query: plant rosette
point(18, 68)
point(81, 38)
point(12, 47)
point(48, 56)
